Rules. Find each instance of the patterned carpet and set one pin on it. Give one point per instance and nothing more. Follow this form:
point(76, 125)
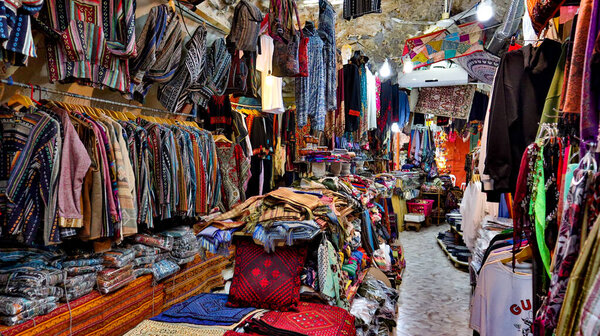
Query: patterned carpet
point(434, 296)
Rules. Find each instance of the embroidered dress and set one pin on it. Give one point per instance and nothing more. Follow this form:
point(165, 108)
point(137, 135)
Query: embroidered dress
point(235, 170)
point(96, 40)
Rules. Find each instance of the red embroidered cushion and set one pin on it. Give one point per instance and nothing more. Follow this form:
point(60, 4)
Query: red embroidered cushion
point(311, 319)
point(266, 280)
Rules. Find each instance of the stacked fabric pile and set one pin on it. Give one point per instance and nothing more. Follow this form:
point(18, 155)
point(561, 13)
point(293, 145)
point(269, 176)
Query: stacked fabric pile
point(82, 272)
point(185, 244)
point(29, 285)
point(214, 240)
point(145, 256)
point(119, 270)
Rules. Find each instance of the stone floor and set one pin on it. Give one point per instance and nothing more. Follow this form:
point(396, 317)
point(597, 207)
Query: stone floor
point(434, 296)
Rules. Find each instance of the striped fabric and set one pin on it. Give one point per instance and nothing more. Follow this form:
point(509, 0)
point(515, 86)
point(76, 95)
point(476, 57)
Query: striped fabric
point(97, 39)
point(176, 93)
point(246, 26)
point(32, 180)
point(159, 46)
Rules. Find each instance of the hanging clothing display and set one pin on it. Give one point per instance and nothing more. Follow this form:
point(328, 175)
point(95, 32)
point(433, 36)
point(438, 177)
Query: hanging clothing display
point(327, 19)
point(94, 44)
point(16, 31)
point(517, 102)
point(176, 92)
point(159, 51)
point(310, 91)
point(271, 86)
point(358, 8)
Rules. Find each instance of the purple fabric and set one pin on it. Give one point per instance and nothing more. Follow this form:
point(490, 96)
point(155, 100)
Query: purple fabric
point(589, 101)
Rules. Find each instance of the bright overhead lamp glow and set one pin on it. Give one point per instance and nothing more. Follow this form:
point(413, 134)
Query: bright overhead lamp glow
point(485, 11)
point(408, 66)
point(385, 70)
point(395, 128)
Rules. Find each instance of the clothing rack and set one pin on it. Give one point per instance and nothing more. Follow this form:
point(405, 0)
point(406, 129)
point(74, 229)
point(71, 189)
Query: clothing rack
point(75, 95)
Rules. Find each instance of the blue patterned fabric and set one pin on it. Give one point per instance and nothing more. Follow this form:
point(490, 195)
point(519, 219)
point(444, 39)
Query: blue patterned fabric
point(310, 91)
point(204, 309)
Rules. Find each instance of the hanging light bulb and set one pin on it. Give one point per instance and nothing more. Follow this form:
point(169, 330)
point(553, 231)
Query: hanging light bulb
point(385, 70)
point(485, 11)
point(395, 128)
point(408, 66)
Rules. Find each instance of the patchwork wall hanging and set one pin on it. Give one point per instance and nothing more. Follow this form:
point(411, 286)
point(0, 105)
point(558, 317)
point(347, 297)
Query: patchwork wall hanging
point(442, 45)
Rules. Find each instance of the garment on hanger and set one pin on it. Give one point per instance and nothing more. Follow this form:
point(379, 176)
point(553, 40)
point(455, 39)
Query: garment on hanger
point(271, 86)
point(327, 19)
point(352, 105)
point(310, 91)
point(159, 52)
point(95, 45)
point(501, 304)
point(174, 94)
point(518, 97)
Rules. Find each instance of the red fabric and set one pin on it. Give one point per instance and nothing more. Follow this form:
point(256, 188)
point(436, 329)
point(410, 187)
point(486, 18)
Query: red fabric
point(266, 280)
point(311, 319)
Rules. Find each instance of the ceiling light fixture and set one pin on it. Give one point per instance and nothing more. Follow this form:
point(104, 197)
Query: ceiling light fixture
point(385, 70)
point(485, 11)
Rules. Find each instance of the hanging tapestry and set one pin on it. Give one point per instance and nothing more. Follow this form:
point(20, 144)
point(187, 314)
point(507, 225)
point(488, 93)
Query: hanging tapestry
point(446, 101)
point(311, 319)
point(442, 45)
point(266, 280)
point(480, 65)
point(205, 309)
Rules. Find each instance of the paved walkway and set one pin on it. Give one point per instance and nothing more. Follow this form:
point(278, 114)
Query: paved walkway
point(434, 296)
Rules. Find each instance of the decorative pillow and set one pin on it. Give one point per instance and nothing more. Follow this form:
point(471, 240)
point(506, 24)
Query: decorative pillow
point(266, 280)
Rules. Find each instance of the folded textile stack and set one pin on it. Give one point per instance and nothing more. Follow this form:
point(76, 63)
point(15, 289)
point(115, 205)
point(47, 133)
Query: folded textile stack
point(214, 240)
point(164, 269)
point(30, 289)
point(185, 245)
point(286, 232)
point(15, 310)
point(81, 275)
point(118, 271)
point(145, 257)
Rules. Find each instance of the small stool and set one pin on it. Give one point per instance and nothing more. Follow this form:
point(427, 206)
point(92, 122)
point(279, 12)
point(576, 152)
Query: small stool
point(413, 225)
point(414, 220)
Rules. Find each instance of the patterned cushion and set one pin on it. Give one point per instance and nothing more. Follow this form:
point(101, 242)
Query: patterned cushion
point(266, 280)
point(311, 319)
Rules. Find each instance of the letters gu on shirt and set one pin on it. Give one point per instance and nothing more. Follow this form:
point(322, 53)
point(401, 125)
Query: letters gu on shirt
point(502, 303)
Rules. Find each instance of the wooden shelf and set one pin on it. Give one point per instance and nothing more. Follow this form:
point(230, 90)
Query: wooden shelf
point(453, 228)
point(457, 263)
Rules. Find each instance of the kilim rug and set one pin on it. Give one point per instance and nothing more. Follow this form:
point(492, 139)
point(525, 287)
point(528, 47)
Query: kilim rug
point(155, 328)
point(206, 309)
point(311, 319)
point(447, 101)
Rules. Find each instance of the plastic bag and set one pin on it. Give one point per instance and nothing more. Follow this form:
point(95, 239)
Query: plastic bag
point(163, 269)
point(119, 257)
point(163, 242)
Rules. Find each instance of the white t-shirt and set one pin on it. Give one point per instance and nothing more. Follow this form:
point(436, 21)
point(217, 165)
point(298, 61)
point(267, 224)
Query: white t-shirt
point(272, 99)
point(502, 303)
